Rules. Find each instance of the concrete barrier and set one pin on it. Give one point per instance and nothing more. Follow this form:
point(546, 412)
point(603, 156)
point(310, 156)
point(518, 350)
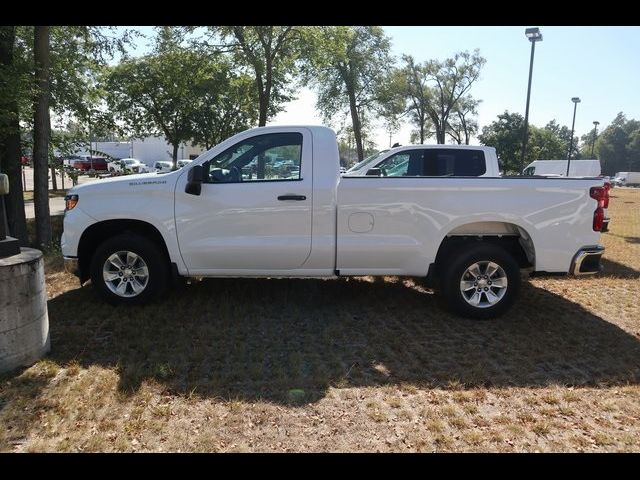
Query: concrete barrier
point(24, 321)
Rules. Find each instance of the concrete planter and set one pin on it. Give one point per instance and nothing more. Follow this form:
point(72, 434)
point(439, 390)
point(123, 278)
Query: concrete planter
point(24, 322)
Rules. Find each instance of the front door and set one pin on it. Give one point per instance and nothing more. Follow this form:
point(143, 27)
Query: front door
point(254, 211)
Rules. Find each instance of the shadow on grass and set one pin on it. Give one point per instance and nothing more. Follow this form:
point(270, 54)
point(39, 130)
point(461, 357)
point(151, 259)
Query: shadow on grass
point(610, 267)
point(625, 238)
point(254, 339)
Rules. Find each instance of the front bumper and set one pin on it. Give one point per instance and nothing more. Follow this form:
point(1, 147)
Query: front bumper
point(586, 261)
point(71, 266)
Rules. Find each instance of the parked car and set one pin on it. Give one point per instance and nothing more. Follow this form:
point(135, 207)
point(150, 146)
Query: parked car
point(431, 161)
point(163, 166)
point(469, 235)
point(183, 162)
point(128, 165)
point(86, 162)
point(366, 161)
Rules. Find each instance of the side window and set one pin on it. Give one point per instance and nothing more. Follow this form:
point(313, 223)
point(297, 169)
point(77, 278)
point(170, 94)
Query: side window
point(454, 163)
point(270, 157)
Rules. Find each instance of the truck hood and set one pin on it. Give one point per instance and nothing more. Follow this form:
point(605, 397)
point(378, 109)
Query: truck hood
point(129, 183)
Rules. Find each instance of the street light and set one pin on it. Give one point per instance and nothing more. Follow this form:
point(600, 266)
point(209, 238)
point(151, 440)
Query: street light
point(595, 135)
point(534, 35)
point(575, 101)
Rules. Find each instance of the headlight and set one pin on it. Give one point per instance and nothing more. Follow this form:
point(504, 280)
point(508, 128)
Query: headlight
point(70, 202)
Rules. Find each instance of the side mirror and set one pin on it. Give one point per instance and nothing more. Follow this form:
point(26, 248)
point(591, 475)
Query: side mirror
point(374, 172)
point(194, 180)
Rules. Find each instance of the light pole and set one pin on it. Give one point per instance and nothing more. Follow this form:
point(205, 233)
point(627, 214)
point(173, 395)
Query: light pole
point(595, 135)
point(575, 101)
point(534, 35)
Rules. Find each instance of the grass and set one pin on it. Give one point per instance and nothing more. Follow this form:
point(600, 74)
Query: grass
point(339, 365)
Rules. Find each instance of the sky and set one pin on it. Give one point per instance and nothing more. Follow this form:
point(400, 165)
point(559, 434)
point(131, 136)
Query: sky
point(600, 65)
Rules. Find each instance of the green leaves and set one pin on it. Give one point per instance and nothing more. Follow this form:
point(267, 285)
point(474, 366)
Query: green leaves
point(182, 93)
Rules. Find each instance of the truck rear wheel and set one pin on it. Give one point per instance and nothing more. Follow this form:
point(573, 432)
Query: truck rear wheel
point(480, 282)
point(129, 269)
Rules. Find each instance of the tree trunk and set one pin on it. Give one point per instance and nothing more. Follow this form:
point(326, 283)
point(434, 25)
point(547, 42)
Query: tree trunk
point(54, 180)
point(440, 133)
point(175, 155)
point(421, 133)
point(357, 128)
point(10, 143)
point(41, 132)
point(264, 106)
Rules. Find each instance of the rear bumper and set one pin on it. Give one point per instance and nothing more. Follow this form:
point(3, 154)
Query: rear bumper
point(586, 261)
point(71, 266)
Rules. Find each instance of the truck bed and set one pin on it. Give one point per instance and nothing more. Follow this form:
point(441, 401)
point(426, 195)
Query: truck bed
point(395, 224)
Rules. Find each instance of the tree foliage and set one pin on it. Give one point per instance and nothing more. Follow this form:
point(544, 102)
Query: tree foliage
point(226, 105)
point(564, 134)
point(348, 72)
point(181, 93)
point(462, 125)
point(618, 146)
point(505, 134)
point(435, 88)
point(272, 55)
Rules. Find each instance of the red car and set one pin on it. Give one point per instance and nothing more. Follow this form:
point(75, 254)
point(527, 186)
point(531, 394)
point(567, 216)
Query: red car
point(85, 162)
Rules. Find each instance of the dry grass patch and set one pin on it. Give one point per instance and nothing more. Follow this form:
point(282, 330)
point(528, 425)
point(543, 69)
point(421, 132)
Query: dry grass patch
point(362, 364)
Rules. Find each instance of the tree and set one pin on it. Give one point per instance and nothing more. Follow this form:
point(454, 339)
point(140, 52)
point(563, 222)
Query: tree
point(544, 144)
point(418, 95)
point(226, 106)
point(564, 134)
point(618, 146)
point(505, 135)
point(435, 87)
point(392, 102)
point(157, 94)
point(41, 132)
point(348, 73)
point(461, 126)
point(10, 151)
point(271, 53)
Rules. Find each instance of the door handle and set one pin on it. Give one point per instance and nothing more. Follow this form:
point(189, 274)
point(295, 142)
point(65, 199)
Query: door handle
point(292, 197)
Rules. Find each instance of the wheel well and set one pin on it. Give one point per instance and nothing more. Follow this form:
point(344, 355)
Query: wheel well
point(99, 232)
point(520, 247)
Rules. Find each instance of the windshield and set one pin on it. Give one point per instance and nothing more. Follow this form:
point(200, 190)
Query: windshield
point(130, 161)
point(370, 158)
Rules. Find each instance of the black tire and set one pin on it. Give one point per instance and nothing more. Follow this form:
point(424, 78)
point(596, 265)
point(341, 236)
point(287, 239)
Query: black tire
point(156, 262)
point(455, 266)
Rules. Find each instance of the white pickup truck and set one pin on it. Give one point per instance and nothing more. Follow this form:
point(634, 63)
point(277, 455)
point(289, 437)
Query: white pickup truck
point(270, 202)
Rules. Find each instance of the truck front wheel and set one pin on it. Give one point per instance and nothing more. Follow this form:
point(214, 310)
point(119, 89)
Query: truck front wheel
point(481, 282)
point(128, 269)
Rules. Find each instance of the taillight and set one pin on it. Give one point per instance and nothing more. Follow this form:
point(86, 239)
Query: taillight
point(598, 219)
point(599, 194)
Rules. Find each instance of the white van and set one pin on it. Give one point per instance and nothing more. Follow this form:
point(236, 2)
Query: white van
point(628, 179)
point(558, 168)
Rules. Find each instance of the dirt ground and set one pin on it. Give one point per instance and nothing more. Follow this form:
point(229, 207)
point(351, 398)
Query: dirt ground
point(339, 365)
